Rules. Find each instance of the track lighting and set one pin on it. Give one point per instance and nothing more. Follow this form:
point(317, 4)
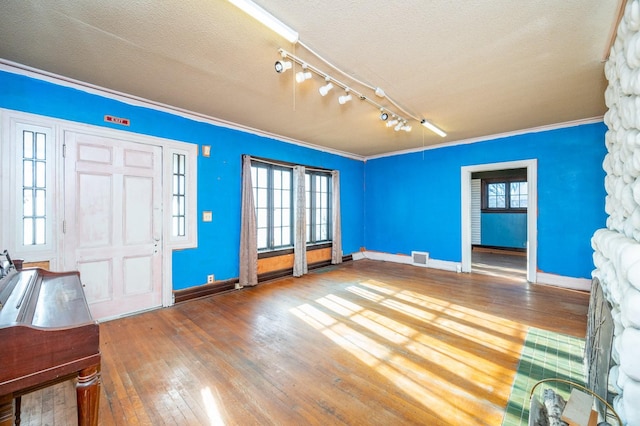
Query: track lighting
point(325, 89)
point(282, 66)
point(388, 114)
point(344, 98)
point(303, 75)
point(435, 129)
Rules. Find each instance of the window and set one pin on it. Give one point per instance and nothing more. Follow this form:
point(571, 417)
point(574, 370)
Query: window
point(496, 195)
point(518, 195)
point(180, 170)
point(34, 188)
point(318, 200)
point(272, 195)
point(178, 205)
point(32, 148)
point(504, 195)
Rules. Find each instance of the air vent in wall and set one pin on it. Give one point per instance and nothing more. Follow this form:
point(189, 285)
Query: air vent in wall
point(420, 258)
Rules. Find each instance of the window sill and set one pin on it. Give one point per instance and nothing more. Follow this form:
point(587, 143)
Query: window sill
point(503, 210)
point(286, 251)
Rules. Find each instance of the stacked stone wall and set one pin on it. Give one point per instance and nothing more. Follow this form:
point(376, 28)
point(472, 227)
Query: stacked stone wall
point(617, 248)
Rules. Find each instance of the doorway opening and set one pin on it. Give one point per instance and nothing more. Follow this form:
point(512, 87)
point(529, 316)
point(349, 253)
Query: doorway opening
point(499, 200)
point(502, 253)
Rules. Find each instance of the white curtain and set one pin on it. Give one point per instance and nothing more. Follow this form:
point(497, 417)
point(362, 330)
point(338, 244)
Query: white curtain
point(248, 230)
point(300, 225)
point(336, 247)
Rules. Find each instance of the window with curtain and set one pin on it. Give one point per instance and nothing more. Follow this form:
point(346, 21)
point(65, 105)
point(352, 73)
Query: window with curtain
point(318, 200)
point(273, 199)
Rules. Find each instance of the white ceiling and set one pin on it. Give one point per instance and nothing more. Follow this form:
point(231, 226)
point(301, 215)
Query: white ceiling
point(474, 68)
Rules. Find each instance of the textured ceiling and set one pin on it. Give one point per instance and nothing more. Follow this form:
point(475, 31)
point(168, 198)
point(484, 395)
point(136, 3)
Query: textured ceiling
point(474, 68)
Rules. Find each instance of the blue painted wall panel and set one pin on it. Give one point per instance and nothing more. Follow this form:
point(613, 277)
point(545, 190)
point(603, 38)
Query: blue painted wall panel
point(412, 201)
point(504, 229)
point(219, 176)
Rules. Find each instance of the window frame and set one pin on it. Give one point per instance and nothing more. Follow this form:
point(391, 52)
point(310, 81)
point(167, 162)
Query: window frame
point(270, 206)
point(190, 153)
point(48, 249)
point(507, 181)
point(310, 193)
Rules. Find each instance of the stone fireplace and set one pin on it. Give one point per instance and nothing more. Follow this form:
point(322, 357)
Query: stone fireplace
point(617, 248)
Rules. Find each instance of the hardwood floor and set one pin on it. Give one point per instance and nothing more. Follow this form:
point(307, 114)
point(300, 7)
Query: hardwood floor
point(500, 263)
point(365, 342)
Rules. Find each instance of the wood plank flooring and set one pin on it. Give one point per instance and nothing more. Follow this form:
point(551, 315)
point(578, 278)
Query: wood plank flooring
point(365, 342)
point(500, 263)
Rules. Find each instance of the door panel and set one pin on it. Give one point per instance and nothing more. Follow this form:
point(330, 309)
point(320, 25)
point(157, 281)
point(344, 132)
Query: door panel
point(113, 209)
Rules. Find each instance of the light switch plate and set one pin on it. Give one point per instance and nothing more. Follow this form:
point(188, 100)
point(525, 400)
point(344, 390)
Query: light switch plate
point(207, 216)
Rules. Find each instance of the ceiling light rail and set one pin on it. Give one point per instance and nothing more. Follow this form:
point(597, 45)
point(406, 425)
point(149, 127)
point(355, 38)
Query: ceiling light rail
point(293, 37)
point(350, 93)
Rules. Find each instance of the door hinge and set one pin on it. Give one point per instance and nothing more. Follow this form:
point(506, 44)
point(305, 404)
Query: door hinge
point(64, 150)
point(64, 226)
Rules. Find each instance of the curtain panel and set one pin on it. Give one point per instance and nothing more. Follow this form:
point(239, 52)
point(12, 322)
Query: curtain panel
point(248, 229)
point(300, 226)
point(336, 246)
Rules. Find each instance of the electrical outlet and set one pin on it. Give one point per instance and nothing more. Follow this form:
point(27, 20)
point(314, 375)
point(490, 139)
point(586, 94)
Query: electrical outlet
point(210, 279)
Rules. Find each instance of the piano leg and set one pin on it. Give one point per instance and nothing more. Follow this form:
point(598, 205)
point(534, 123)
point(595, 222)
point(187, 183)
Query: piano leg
point(6, 410)
point(88, 396)
point(18, 408)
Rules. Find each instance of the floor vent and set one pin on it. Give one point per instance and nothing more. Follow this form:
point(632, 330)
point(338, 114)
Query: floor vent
point(420, 258)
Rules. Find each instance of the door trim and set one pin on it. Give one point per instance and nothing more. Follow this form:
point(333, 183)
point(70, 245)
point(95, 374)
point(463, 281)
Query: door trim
point(59, 126)
point(532, 210)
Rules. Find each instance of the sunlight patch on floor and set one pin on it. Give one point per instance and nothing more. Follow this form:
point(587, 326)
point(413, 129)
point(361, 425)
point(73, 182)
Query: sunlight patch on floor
point(426, 361)
point(211, 406)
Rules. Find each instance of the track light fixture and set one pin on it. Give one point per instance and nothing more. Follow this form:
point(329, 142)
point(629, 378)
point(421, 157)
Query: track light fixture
point(303, 75)
point(398, 121)
point(282, 66)
point(345, 98)
point(325, 89)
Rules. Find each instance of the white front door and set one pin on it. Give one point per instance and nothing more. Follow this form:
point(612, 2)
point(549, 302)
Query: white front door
point(113, 221)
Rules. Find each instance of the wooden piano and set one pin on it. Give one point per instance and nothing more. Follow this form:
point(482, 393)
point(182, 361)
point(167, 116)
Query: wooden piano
point(47, 336)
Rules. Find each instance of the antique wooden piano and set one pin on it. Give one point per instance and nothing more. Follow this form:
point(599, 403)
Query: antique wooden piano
point(47, 336)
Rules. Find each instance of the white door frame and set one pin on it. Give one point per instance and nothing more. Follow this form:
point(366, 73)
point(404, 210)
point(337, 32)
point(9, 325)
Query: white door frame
point(58, 127)
point(532, 210)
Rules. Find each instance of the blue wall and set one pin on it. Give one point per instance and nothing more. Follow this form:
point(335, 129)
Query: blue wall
point(504, 229)
point(219, 175)
point(412, 201)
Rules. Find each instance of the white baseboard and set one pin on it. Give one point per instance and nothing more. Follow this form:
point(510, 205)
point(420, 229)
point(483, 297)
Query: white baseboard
point(405, 259)
point(583, 284)
point(359, 255)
